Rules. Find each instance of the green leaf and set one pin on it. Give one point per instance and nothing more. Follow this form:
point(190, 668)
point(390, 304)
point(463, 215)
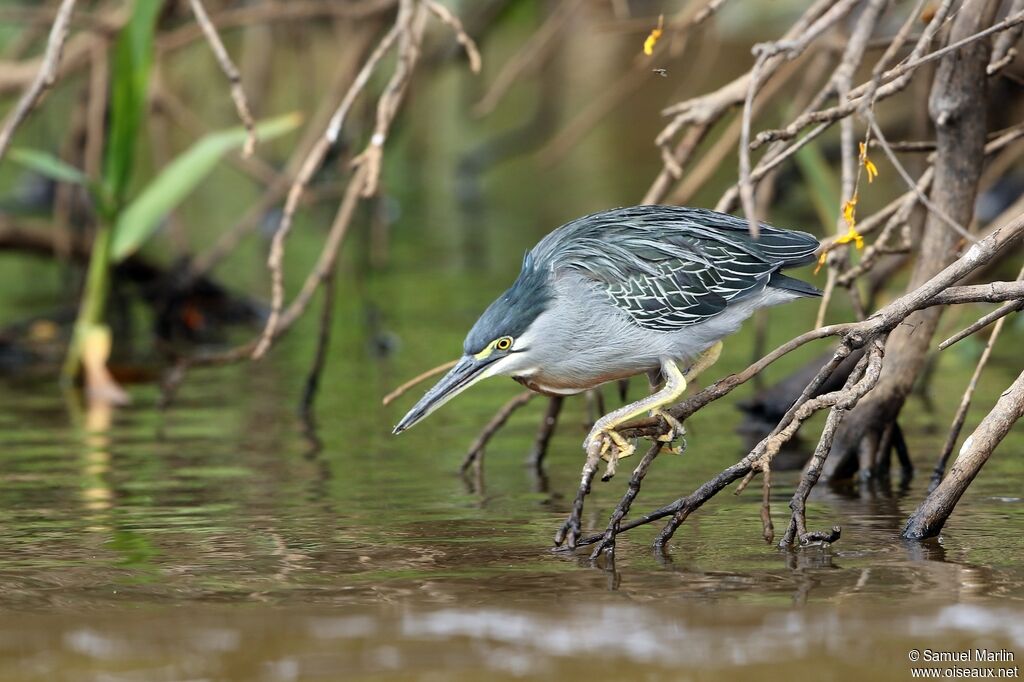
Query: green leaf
point(133, 57)
point(49, 165)
point(141, 218)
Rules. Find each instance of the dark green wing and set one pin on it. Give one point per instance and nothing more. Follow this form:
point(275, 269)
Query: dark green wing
point(669, 267)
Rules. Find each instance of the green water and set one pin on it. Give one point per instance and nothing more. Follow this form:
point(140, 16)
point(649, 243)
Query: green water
point(217, 541)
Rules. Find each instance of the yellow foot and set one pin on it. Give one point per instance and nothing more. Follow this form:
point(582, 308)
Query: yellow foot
point(611, 446)
point(675, 430)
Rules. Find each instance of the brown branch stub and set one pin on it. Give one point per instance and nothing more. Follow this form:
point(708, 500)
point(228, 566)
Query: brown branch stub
point(929, 518)
point(45, 77)
point(468, 44)
point(220, 53)
point(400, 391)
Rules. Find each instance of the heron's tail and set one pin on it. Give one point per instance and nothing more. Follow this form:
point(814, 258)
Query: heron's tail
point(797, 286)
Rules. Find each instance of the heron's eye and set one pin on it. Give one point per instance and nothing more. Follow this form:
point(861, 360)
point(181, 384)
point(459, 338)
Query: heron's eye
point(504, 343)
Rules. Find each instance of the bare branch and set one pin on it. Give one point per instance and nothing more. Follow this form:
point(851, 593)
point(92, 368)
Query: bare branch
point(863, 379)
point(1005, 51)
point(468, 44)
point(45, 77)
point(527, 58)
point(929, 518)
point(965, 402)
point(476, 450)
point(231, 71)
point(984, 321)
point(913, 184)
point(275, 261)
point(401, 390)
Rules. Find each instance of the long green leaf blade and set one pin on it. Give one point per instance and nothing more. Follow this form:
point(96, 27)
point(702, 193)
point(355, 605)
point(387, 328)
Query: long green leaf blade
point(141, 218)
point(133, 57)
point(48, 165)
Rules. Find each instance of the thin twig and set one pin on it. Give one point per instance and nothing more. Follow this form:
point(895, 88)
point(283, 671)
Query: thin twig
point(984, 321)
point(275, 12)
point(874, 92)
point(863, 379)
point(746, 184)
point(308, 168)
point(913, 184)
point(545, 431)
point(529, 56)
point(401, 390)
point(700, 113)
point(227, 241)
point(45, 77)
point(468, 44)
point(476, 450)
point(231, 71)
point(607, 544)
point(894, 80)
point(1005, 51)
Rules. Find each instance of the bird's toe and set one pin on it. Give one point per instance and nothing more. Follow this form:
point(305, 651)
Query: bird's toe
point(675, 427)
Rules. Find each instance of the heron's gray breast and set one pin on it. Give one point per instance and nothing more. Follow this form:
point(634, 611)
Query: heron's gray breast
point(583, 339)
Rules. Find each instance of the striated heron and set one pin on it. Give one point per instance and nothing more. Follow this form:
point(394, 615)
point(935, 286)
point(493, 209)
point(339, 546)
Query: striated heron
point(646, 289)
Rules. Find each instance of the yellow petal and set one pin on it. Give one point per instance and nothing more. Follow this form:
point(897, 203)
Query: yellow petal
point(872, 169)
point(852, 235)
point(821, 261)
point(868, 164)
point(850, 211)
point(654, 36)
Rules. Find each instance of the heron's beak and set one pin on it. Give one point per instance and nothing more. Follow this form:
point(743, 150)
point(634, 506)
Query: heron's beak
point(467, 372)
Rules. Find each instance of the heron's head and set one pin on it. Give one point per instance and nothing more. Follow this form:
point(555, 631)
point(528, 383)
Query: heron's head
point(498, 344)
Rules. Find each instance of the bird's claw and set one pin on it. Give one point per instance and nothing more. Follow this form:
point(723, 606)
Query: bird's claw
point(611, 448)
point(610, 443)
point(675, 430)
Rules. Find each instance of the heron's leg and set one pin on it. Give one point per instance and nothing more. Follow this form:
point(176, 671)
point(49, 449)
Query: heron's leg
point(604, 429)
point(704, 361)
point(676, 429)
point(605, 442)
